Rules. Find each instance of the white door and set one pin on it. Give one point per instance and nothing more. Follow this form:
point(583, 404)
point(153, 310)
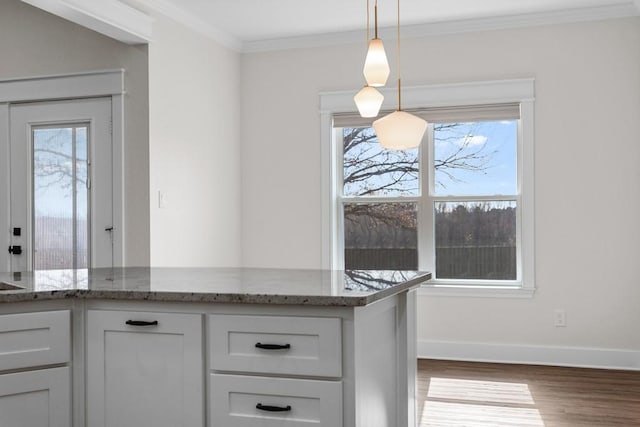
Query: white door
point(61, 185)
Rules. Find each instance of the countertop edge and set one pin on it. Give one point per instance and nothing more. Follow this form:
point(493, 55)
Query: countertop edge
point(22, 296)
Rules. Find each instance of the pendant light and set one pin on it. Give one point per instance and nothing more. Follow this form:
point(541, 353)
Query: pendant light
point(376, 67)
point(369, 99)
point(400, 130)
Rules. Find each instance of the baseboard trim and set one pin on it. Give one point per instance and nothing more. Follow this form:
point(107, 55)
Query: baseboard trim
point(531, 355)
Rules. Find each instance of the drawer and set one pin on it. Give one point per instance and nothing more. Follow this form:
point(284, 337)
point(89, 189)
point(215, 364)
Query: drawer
point(245, 401)
point(34, 339)
point(36, 398)
point(303, 346)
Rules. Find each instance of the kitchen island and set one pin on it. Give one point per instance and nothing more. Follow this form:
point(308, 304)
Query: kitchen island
point(226, 347)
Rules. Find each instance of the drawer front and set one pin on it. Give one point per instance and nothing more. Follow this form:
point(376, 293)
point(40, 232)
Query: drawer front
point(245, 401)
point(34, 339)
point(302, 346)
point(40, 398)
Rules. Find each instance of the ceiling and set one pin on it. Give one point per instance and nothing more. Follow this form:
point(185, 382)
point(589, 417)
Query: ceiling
point(253, 25)
point(256, 20)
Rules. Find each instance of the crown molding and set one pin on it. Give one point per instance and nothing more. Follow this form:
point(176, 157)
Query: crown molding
point(192, 22)
point(109, 17)
point(630, 9)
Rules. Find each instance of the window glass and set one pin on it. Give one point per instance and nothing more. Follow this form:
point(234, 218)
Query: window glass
point(370, 170)
point(60, 198)
point(476, 240)
point(475, 158)
point(380, 236)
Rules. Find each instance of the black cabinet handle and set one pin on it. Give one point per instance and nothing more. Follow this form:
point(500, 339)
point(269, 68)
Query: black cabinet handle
point(270, 408)
point(273, 346)
point(141, 323)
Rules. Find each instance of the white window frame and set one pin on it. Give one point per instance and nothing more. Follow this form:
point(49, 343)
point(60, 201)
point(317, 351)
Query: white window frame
point(519, 91)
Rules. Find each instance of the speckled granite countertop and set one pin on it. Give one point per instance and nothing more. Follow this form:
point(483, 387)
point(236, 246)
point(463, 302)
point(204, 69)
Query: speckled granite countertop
point(212, 285)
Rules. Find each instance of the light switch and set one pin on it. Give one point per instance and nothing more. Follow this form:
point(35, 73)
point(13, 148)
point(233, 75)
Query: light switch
point(162, 199)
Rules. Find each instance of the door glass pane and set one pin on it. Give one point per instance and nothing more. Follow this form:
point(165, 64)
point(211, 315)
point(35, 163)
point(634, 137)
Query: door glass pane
point(370, 170)
point(60, 197)
point(380, 236)
point(476, 240)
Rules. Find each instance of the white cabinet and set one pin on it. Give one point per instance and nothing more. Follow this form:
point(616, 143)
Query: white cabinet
point(39, 398)
point(35, 396)
point(267, 356)
point(250, 401)
point(301, 346)
point(144, 369)
point(159, 364)
point(34, 339)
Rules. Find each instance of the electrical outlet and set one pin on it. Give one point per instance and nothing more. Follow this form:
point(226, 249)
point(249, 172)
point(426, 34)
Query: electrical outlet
point(559, 318)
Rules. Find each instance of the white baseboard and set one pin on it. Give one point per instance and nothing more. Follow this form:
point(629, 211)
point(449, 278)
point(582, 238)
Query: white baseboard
point(531, 355)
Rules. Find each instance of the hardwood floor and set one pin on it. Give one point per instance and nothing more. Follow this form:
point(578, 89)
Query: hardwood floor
point(455, 394)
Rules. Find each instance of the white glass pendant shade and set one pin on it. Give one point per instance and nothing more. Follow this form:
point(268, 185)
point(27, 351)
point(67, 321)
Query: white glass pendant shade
point(368, 100)
point(376, 67)
point(400, 130)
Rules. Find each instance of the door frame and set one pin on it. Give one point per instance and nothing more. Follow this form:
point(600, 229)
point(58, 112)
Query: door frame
point(106, 83)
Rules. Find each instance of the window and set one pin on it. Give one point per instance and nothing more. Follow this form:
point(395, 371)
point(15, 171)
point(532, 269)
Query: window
point(458, 206)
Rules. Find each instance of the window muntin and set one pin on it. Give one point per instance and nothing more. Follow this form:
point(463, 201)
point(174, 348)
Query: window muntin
point(472, 168)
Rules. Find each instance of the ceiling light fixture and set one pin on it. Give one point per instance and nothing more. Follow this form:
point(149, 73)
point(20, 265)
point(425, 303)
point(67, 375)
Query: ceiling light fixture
point(400, 130)
point(376, 67)
point(369, 99)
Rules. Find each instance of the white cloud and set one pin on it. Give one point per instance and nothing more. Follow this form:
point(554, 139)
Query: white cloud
point(472, 140)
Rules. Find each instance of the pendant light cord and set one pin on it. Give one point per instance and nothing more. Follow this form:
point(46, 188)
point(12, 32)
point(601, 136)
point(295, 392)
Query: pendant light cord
point(398, 35)
point(375, 12)
point(368, 19)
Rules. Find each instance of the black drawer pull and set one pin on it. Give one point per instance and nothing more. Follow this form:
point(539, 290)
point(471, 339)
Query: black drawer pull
point(270, 408)
point(141, 323)
point(273, 346)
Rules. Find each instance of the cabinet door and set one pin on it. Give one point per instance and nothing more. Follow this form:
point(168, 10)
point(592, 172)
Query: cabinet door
point(144, 369)
point(36, 398)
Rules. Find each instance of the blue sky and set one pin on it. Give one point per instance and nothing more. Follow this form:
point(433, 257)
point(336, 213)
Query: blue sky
point(52, 189)
point(492, 145)
point(495, 142)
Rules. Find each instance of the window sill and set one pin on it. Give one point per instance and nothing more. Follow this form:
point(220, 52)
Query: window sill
point(449, 290)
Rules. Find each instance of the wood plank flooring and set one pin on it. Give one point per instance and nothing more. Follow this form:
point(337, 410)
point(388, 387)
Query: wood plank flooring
point(456, 394)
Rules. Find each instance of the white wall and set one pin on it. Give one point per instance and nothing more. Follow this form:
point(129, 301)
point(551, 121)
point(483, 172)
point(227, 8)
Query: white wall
point(587, 156)
point(194, 87)
point(36, 43)
point(190, 136)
